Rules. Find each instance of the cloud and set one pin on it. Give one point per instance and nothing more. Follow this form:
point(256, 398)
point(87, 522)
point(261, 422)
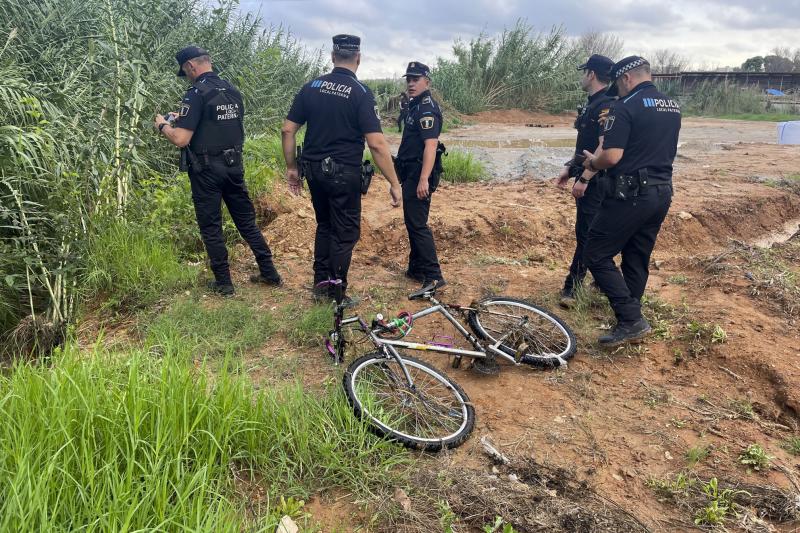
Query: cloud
point(393, 33)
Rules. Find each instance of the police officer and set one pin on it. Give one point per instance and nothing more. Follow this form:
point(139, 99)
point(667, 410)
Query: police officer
point(640, 140)
point(339, 112)
point(209, 129)
point(418, 170)
point(587, 194)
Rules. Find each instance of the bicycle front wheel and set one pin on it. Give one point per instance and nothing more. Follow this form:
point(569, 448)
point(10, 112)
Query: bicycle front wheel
point(537, 336)
point(431, 415)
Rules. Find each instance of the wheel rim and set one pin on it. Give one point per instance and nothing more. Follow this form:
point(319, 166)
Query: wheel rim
point(546, 338)
point(433, 412)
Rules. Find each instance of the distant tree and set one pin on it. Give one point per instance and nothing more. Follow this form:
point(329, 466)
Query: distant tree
point(754, 64)
point(664, 61)
point(776, 63)
point(595, 42)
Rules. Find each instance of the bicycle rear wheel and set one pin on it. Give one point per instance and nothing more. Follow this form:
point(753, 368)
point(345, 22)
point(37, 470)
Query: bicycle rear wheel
point(433, 414)
point(544, 340)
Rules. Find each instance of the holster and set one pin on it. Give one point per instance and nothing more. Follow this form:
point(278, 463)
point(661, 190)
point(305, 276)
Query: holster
point(232, 157)
point(627, 185)
point(367, 171)
point(189, 161)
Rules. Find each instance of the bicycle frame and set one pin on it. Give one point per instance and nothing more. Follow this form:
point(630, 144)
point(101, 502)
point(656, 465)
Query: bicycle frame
point(391, 345)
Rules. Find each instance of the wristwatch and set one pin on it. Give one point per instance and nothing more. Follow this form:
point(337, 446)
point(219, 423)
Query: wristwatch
point(161, 126)
point(583, 180)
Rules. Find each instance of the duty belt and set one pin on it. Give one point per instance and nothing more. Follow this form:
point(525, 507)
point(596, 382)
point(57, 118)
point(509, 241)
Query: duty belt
point(217, 150)
point(624, 186)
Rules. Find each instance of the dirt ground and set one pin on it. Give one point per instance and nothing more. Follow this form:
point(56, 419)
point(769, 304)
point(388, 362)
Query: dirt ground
point(615, 420)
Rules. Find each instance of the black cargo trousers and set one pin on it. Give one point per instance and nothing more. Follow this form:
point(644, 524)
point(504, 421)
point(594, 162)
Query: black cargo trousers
point(212, 184)
point(586, 207)
point(629, 227)
point(336, 197)
point(422, 259)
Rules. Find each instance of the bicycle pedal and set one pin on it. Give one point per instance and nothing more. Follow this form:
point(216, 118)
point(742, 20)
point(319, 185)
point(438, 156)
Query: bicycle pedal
point(486, 366)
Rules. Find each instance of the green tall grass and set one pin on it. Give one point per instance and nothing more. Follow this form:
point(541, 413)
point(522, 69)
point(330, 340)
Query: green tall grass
point(80, 81)
point(123, 442)
point(212, 328)
point(460, 166)
point(132, 267)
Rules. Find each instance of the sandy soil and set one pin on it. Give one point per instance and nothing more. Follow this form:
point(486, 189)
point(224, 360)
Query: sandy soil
point(615, 419)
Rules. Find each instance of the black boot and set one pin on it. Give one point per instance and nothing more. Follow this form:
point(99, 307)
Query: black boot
point(270, 278)
point(625, 333)
point(223, 289)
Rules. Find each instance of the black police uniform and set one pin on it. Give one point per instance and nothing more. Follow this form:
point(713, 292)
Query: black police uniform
point(338, 110)
point(423, 122)
point(213, 109)
point(646, 124)
point(589, 130)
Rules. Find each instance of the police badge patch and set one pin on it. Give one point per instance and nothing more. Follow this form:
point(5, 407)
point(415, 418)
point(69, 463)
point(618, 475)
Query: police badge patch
point(377, 114)
point(184, 110)
point(426, 100)
point(426, 123)
point(608, 123)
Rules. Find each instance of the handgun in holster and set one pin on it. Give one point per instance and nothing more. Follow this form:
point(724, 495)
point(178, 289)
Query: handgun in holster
point(189, 161)
point(438, 167)
point(367, 171)
point(627, 186)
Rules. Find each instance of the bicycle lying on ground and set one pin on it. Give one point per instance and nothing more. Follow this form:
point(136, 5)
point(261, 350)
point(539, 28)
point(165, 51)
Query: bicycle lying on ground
point(410, 401)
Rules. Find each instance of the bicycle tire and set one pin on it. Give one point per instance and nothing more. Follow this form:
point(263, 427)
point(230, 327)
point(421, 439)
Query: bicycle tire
point(542, 353)
point(379, 411)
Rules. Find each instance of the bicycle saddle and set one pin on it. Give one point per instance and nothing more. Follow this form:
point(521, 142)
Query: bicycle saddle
point(426, 291)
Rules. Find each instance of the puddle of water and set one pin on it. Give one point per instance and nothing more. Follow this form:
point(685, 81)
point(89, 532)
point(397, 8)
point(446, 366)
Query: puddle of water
point(513, 143)
point(778, 237)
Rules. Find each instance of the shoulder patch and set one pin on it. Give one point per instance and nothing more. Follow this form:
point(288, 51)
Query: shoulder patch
point(426, 100)
point(184, 110)
point(608, 122)
point(426, 123)
point(377, 114)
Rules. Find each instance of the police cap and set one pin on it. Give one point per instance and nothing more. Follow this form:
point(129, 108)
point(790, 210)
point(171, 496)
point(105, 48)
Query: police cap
point(621, 67)
point(185, 54)
point(346, 42)
point(599, 64)
point(415, 68)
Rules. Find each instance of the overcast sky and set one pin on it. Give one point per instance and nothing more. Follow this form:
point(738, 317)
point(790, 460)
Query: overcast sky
point(710, 33)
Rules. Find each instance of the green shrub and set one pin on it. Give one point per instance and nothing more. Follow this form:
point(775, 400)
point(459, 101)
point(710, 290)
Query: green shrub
point(122, 441)
point(515, 69)
point(461, 166)
point(132, 266)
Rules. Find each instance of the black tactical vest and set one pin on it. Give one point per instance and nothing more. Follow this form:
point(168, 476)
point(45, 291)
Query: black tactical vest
point(222, 125)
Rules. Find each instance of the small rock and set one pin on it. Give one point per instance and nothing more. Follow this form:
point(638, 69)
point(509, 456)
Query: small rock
point(657, 263)
point(551, 493)
point(402, 498)
point(684, 215)
point(287, 525)
point(617, 477)
point(668, 456)
point(513, 478)
point(629, 473)
point(495, 470)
